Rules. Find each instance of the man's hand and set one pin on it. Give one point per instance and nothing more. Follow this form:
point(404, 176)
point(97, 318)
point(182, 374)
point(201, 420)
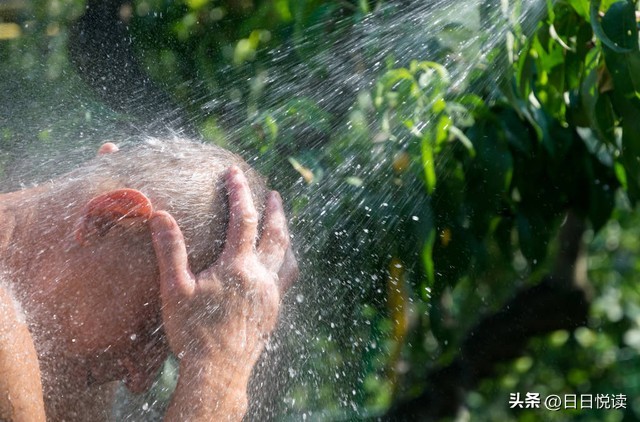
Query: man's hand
point(217, 321)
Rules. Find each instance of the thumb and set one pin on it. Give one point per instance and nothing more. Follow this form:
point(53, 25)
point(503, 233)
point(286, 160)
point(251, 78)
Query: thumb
point(176, 280)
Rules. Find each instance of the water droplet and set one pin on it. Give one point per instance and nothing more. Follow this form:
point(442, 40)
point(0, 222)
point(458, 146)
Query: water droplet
point(300, 298)
point(133, 337)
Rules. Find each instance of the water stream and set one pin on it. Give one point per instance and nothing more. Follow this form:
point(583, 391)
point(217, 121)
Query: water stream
point(347, 224)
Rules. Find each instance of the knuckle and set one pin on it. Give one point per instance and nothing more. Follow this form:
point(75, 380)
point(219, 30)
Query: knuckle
point(294, 273)
point(168, 240)
point(295, 269)
point(274, 279)
point(271, 300)
point(238, 269)
point(247, 216)
point(279, 235)
point(289, 275)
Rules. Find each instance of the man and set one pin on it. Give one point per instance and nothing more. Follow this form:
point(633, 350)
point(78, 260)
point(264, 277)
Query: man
point(86, 301)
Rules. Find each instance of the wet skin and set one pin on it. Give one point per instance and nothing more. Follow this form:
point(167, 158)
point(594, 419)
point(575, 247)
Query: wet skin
point(62, 345)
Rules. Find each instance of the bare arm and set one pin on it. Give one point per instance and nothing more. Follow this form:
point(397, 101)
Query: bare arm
point(20, 385)
point(218, 321)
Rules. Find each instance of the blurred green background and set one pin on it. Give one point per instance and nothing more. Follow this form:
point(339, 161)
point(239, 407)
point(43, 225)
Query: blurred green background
point(462, 180)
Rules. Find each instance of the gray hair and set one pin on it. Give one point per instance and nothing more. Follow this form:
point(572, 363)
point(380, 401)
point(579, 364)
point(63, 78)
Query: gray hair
point(182, 177)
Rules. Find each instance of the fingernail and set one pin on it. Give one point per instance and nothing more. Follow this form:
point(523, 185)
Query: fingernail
point(276, 197)
point(235, 177)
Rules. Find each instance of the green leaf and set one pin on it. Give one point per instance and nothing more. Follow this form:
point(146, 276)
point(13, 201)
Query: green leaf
point(617, 28)
point(533, 234)
point(502, 235)
point(630, 145)
point(442, 130)
point(583, 40)
point(540, 120)
point(427, 261)
point(464, 140)
point(488, 175)
point(517, 134)
point(525, 71)
point(581, 7)
point(594, 109)
point(605, 122)
point(619, 22)
point(308, 111)
point(601, 194)
point(428, 164)
point(391, 79)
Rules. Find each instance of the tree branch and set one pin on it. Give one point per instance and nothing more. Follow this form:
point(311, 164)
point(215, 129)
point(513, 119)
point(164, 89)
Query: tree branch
point(558, 302)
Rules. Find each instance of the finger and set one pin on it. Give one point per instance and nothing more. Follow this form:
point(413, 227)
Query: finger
point(108, 148)
point(176, 279)
point(275, 235)
point(288, 273)
point(243, 217)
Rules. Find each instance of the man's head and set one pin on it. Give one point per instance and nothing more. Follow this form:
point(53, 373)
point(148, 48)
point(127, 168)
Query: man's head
point(100, 300)
point(181, 177)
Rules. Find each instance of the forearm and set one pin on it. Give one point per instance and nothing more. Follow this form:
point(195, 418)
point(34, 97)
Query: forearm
point(20, 386)
point(210, 390)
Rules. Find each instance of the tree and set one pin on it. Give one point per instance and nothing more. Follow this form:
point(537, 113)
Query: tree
point(444, 165)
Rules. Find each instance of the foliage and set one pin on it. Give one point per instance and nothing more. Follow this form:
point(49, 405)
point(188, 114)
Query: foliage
point(428, 171)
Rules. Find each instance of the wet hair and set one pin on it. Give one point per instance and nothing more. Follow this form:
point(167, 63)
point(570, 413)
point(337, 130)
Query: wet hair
point(182, 177)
